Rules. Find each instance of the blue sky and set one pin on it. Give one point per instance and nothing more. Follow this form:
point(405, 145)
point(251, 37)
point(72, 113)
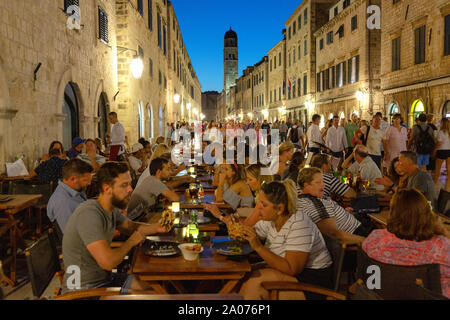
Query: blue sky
point(203, 24)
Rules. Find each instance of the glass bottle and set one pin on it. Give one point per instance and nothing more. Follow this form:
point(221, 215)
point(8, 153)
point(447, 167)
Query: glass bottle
point(201, 194)
point(193, 227)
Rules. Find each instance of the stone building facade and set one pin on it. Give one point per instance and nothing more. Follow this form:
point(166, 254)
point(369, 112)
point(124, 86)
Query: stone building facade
point(415, 58)
point(301, 57)
point(260, 79)
point(58, 79)
point(348, 58)
point(277, 79)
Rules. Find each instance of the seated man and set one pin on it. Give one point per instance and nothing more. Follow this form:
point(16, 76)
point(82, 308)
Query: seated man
point(89, 233)
point(91, 156)
point(149, 190)
point(364, 165)
point(417, 178)
point(50, 170)
point(331, 219)
point(138, 159)
point(77, 148)
point(332, 184)
point(70, 193)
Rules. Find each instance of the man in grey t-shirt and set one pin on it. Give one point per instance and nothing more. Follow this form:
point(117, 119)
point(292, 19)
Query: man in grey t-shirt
point(149, 190)
point(90, 230)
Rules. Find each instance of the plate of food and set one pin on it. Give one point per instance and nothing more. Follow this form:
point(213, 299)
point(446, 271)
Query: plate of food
point(161, 248)
point(231, 247)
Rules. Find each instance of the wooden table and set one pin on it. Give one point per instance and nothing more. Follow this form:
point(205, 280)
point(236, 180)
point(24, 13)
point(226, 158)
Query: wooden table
point(209, 266)
point(382, 217)
point(204, 297)
point(384, 200)
point(8, 210)
point(210, 228)
point(209, 198)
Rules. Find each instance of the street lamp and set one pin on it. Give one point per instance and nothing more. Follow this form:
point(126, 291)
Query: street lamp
point(136, 65)
point(359, 95)
point(176, 98)
point(188, 106)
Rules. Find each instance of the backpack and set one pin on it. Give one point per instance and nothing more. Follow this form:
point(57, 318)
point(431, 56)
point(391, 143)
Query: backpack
point(424, 142)
point(294, 135)
point(365, 137)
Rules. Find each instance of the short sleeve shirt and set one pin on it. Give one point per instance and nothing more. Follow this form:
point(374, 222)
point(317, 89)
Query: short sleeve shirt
point(422, 181)
point(333, 186)
point(147, 193)
point(50, 170)
point(374, 140)
point(89, 223)
point(298, 234)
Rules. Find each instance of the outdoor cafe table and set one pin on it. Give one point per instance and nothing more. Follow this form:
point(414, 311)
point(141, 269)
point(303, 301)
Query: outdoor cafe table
point(209, 198)
point(7, 211)
point(210, 228)
point(382, 218)
point(208, 266)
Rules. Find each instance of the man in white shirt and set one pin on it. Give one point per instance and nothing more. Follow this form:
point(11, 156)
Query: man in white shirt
point(313, 135)
point(117, 137)
point(363, 165)
point(336, 139)
point(373, 136)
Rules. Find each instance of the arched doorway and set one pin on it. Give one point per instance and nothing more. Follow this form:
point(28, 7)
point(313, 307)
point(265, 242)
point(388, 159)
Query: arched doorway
point(446, 110)
point(141, 120)
point(416, 109)
point(103, 111)
point(393, 110)
point(70, 124)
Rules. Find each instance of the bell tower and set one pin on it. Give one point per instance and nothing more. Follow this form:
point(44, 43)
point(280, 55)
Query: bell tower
point(230, 60)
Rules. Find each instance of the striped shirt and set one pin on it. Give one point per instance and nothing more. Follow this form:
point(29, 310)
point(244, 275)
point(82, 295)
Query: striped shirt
point(345, 221)
point(298, 234)
point(333, 186)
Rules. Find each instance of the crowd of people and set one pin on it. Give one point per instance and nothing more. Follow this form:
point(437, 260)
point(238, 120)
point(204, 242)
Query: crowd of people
point(290, 209)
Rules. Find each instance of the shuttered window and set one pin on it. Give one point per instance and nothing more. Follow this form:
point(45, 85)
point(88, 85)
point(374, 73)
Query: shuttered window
point(299, 87)
point(102, 25)
point(305, 84)
point(396, 54)
point(68, 3)
point(353, 69)
point(447, 36)
point(140, 7)
point(419, 49)
point(159, 30)
point(150, 15)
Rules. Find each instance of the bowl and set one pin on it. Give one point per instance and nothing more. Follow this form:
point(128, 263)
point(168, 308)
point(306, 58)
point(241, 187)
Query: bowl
point(188, 254)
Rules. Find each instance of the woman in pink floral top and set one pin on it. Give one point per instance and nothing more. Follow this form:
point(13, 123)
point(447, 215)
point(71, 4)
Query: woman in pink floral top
point(414, 236)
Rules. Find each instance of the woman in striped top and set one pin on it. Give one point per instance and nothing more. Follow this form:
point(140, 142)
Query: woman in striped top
point(331, 219)
point(294, 249)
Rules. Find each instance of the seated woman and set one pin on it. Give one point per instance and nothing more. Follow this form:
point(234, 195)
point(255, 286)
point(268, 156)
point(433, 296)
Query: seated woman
point(294, 249)
point(397, 177)
point(414, 236)
point(54, 145)
point(254, 180)
point(285, 152)
point(232, 188)
point(331, 219)
point(297, 163)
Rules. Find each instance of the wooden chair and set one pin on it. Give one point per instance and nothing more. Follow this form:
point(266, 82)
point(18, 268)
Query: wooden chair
point(43, 265)
point(275, 287)
point(98, 293)
point(364, 293)
point(428, 294)
point(45, 190)
point(337, 250)
point(202, 297)
point(399, 282)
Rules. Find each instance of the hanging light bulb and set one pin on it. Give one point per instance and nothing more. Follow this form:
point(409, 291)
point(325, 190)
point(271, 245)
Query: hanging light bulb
point(137, 67)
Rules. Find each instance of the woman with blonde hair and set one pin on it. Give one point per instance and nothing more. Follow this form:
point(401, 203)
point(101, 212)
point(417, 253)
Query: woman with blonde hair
point(232, 188)
point(294, 249)
point(414, 236)
point(443, 150)
point(159, 151)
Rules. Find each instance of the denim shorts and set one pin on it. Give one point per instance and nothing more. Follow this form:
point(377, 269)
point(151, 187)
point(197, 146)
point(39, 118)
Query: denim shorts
point(423, 159)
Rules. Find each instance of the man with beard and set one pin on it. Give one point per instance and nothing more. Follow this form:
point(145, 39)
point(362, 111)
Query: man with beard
point(89, 233)
point(76, 177)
